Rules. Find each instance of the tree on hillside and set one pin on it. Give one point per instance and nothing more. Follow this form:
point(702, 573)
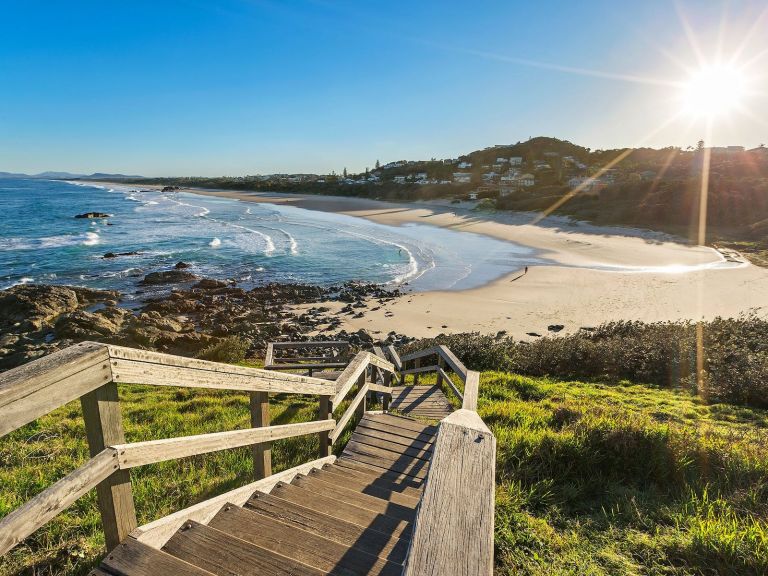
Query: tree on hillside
point(345, 172)
point(377, 165)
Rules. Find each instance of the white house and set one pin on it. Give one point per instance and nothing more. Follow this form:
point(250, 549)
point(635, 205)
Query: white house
point(516, 161)
point(526, 180)
point(399, 179)
point(502, 160)
point(462, 177)
point(465, 165)
point(420, 176)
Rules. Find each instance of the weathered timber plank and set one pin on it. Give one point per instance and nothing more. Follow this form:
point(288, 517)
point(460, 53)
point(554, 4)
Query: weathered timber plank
point(401, 422)
point(30, 516)
point(372, 428)
point(219, 553)
point(350, 412)
point(453, 362)
point(348, 512)
point(155, 368)
point(349, 377)
point(388, 453)
point(424, 452)
point(132, 558)
point(262, 452)
point(471, 390)
point(362, 433)
point(349, 496)
point(348, 463)
point(40, 386)
point(453, 535)
point(157, 533)
point(370, 540)
point(103, 428)
point(420, 354)
point(300, 545)
point(380, 487)
point(447, 379)
point(343, 344)
point(415, 468)
point(151, 451)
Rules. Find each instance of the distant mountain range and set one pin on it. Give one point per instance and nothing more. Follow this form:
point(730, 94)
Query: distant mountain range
point(68, 176)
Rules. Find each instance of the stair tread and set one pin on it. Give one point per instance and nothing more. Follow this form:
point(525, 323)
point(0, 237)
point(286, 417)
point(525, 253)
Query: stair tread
point(401, 481)
point(132, 558)
point(331, 488)
point(375, 487)
point(378, 543)
point(301, 545)
point(332, 506)
point(402, 473)
point(401, 422)
point(363, 441)
point(397, 461)
point(393, 434)
point(221, 554)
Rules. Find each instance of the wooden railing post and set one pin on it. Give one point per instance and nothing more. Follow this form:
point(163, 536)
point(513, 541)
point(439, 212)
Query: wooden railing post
point(104, 427)
point(262, 453)
point(360, 385)
point(416, 364)
point(325, 413)
point(385, 397)
point(440, 364)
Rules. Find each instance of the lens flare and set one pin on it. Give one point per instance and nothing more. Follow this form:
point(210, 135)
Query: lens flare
point(714, 90)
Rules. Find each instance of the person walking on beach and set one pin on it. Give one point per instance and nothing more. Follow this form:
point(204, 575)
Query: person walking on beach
point(526, 271)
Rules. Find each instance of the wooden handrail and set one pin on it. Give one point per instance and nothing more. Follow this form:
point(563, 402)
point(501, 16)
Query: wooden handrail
point(352, 372)
point(350, 412)
point(38, 387)
point(151, 451)
point(154, 368)
point(38, 511)
point(89, 371)
point(457, 505)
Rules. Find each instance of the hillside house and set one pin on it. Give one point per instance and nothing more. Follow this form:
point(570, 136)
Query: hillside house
point(420, 176)
point(465, 165)
point(462, 177)
point(502, 160)
point(399, 179)
point(516, 161)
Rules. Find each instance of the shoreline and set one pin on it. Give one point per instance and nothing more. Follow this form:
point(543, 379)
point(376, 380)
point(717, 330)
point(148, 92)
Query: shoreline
point(643, 275)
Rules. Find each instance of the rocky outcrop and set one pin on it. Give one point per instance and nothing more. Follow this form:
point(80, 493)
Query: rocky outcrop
point(94, 215)
point(118, 254)
point(168, 277)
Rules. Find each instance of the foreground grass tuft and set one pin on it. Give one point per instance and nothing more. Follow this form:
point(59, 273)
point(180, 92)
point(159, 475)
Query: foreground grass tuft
point(625, 480)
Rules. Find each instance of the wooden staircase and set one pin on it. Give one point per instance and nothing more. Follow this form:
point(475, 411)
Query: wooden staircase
point(352, 517)
point(404, 496)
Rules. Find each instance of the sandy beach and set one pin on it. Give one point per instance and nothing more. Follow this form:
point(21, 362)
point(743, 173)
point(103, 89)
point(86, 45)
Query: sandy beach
point(603, 274)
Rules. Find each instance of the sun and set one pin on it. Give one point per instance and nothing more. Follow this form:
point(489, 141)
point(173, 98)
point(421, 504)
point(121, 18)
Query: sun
point(713, 90)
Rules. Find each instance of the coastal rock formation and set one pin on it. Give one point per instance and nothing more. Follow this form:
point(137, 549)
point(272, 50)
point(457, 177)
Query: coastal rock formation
point(117, 254)
point(38, 319)
point(168, 277)
point(94, 215)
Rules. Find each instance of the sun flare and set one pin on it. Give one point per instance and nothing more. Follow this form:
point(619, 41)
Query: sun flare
point(713, 90)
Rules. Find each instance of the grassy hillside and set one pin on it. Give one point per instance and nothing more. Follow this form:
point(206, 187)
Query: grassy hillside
point(591, 479)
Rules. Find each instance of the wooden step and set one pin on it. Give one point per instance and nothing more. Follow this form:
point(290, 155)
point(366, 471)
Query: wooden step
point(380, 472)
point(392, 421)
point(132, 558)
point(399, 462)
point(381, 489)
point(300, 545)
point(314, 484)
point(397, 479)
point(374, 542)
point(373, 442)
point(338, 509)
point(414, 439)
point(409, 470)
point(224, 555)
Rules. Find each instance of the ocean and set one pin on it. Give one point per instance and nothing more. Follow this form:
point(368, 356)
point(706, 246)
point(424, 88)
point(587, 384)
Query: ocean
point(42, 242)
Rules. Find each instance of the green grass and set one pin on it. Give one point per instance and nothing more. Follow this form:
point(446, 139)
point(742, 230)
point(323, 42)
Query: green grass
point(591, 479)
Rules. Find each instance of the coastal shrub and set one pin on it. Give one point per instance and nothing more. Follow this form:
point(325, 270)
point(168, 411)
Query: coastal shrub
point(723, 360)
point(231, 349)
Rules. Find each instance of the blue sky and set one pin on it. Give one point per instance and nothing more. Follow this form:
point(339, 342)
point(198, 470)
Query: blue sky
point(252, 86)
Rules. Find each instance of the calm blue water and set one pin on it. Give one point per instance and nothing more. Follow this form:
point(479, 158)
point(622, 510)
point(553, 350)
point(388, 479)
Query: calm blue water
point(41, 241)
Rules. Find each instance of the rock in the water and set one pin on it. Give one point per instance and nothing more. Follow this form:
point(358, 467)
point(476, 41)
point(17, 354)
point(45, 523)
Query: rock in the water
point(181, 265)
point(168, 277)
point(116, 254)
point(94, 215)
point(555, 327)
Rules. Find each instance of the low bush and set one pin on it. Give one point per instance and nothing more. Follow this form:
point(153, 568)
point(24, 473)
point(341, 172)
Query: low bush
point(724, 360)
point(231, 349)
